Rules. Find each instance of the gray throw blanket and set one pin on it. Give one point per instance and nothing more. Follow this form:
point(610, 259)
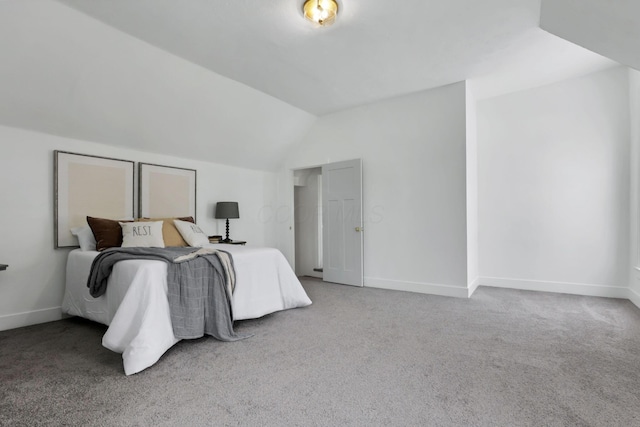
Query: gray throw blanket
point(199, 287)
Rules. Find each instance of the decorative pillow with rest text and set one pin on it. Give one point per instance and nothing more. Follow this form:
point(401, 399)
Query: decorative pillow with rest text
point(142, 234)
point(191, 233)
point(170, 233)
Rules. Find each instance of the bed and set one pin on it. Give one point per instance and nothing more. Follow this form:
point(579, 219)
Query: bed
point(136, 309)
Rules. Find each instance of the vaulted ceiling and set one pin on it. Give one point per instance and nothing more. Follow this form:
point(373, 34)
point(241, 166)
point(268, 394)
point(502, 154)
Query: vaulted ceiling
point(241, 81)
point(377, 49)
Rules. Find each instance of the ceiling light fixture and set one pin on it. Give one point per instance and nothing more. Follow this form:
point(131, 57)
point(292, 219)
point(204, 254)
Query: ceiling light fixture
point(321, 12)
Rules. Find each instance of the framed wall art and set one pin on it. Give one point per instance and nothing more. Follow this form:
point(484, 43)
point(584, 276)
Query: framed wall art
point(86, 185)
point(166, 191)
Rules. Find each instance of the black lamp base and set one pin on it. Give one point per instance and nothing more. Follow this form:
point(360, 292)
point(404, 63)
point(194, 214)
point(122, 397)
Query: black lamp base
point(227, 239)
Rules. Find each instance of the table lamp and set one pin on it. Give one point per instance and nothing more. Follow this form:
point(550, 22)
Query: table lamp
point(226, 210)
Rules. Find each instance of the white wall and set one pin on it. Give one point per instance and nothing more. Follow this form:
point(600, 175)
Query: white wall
point(414, 179)
point(307, 223)
point(473, 266)
point(634, 104)
point(31, 289)
point(554, 187)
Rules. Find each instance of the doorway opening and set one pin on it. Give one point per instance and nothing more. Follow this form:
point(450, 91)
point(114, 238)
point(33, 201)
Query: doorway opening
point(307, 195)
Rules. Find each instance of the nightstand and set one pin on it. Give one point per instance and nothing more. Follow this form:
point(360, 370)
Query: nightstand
point(236, 242)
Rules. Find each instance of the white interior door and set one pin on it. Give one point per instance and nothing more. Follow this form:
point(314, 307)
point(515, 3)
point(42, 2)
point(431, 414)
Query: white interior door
point(342, 222)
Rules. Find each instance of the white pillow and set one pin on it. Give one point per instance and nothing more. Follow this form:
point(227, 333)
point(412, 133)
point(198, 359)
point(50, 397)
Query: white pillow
point(86, 239)
point(191, 233)
point(142, 234)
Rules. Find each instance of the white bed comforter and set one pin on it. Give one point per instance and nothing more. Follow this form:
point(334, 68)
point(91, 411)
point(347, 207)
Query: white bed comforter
point(136, 308)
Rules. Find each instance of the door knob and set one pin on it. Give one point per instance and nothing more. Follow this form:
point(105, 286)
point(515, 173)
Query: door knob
point(359, 229)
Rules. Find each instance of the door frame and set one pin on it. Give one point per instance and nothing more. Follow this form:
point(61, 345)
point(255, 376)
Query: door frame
point(293, 217)
point(291, 199)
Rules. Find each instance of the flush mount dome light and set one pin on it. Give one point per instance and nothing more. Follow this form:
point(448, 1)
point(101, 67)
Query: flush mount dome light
point(321, 12)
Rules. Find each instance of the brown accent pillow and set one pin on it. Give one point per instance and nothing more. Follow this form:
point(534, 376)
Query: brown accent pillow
point(170, 233)
point(107, 232)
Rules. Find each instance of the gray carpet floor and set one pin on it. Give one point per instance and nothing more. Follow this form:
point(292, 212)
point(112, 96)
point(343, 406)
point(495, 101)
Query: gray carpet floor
point(355, 357)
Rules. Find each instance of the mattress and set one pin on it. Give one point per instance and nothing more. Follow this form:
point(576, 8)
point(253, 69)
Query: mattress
point(136, 309)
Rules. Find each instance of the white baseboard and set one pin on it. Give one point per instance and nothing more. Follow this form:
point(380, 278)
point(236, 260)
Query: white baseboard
point(18, 320)
point(423, 288)
point(634, 297)
point(557, 287)
point(473, 286)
